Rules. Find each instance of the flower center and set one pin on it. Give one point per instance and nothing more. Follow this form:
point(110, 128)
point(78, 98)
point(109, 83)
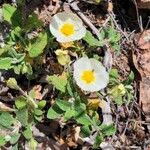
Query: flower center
point(88, 76)
point(67, 29)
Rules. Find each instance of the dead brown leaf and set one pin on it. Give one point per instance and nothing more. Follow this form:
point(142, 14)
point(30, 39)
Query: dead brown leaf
point(142, 64)
point(37, 90)
point(110, 6)
point(4, 107)
point(143, 41)
point(143, 4)
point(144, 96)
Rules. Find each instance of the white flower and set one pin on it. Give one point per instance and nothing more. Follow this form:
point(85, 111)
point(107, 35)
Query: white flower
point(67, 27)
point(90, 75)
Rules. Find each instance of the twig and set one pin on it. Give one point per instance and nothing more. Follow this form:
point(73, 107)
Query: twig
point(148, 22)
point(106, 110)
point(104, 24)
point(137, 14)
point(107, 60)
point(130, 111)
point(128, 147)
point(84, 18)
point(129, 35)
point(46, 91)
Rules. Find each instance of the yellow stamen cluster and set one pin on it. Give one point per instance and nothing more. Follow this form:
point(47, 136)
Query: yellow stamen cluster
point(88, 76)
point(67, 29)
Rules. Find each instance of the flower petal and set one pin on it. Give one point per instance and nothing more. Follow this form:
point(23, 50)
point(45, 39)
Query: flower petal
point(101, 75)
point(59, 19)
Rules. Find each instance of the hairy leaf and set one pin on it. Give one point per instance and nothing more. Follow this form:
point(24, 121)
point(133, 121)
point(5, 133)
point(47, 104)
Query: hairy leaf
point(54, 112)
point(38, 46)
point(6, 119)
point(64, 105)
point(91, 40)
point(5, 63)
point(59, 82)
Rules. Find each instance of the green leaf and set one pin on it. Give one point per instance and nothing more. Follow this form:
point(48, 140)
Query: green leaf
point(32, 93)
point(27, 133)
point(114, 73)
point(15, 147)
point(116, 47)
point(16, 32)
point(38, 46)
point(98, 141)
point(5, 63)
point(102, 35)
point(17, 68)
point(85, 131)
point(6, 48)
point(38, 112)
point(130, 78)
point(54, 112)
point(6, 119)
point(8, 11)
point(79, 109)
point(63, 105)
point(33, 144)
point(2, 50)
point(113, 35)
point(21, 102)
point(29, 70)
point(95, 121)
point(17, 57)
point(14, 138)
point(12, 15)
point(7, 138)
point(12, 83)
point(41, 104)
point(32, 22)
point(38, 118)
point(91, 40)
point(129, 96)
point(69, 114)
point(108, 130)
point(59, 82)
point(69, 89)
point(118, 100)
point(2, 140)
point(22, 116)
point(83, 119)
point(24, 69)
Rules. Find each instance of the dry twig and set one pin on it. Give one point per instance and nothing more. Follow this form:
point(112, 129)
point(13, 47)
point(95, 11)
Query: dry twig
point(75, 7)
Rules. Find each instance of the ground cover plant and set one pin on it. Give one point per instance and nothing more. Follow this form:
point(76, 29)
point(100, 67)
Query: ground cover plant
point(70, 76)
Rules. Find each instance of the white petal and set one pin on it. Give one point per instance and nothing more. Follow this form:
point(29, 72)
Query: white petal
point(101, 75)
point(84, 86)
point(82, 64)
point(101, 81)
point(98, 67)
point(80, 33)
point(63, 17)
